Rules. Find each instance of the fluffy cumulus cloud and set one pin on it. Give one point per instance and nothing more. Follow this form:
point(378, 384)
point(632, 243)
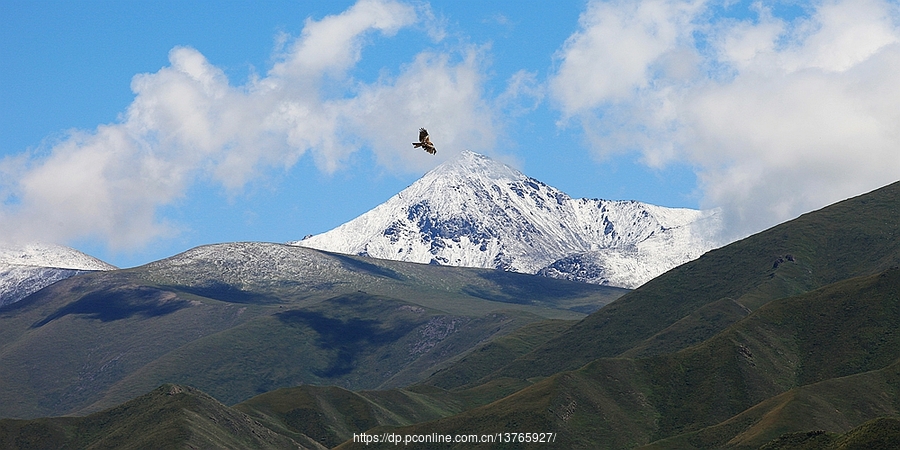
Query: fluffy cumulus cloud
point(189, 123)
point(435, 91)
point(779, 115)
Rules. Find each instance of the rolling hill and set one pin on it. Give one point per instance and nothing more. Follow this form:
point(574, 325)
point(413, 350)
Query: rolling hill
point(690, 303)
point(236, 320)
point(170, 416)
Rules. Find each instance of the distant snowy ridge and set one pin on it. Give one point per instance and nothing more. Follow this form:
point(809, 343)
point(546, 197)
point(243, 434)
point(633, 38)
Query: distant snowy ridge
point(25, 269)
point(50, 255)
point(476, 212)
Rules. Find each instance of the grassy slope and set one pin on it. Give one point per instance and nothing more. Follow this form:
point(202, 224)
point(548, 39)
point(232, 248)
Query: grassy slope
point(331, 415)
point(882, 433)
point(601, 406)
point(169, 417)
point(357, 341)
point(818, 340)
point(836, 405)
point(855, 237)
point(61, 366)
point(469, 371)
point(842, 329)
point(810, 340)
point(96, 340)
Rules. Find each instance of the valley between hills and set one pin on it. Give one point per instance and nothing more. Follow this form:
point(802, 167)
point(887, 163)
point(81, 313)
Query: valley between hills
point(786, 339)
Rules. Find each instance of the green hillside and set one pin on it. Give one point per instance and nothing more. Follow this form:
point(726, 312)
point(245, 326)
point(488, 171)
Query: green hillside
point(797, 360)
point(882, 433)
point(237, 320)
point(856, 237)
point(331, 415)
point(170, 417)
point(804, 342)
point(470, 370)
point(836, 405)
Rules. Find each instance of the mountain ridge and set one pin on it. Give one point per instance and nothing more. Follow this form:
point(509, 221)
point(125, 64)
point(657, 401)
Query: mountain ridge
point(846, 239)
point(50, 255)
point(170, 416)
point(25, 269)
point(476, 212)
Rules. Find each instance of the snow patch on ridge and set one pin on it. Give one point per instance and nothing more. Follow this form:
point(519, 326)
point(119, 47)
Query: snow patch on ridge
point(50, 255)
point(26, 269)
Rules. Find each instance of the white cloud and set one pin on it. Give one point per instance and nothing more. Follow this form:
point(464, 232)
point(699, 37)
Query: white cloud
point(101, 183)
point(778, 116)
point(612, 53)
point(332, 44)
point(188, 123)
point(523, 94)
point(434, 92)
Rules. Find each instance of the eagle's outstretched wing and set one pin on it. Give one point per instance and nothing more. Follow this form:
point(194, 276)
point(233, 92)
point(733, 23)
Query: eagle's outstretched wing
point(425, 142)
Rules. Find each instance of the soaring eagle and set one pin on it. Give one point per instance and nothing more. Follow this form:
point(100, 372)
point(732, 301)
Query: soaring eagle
point(425, 142)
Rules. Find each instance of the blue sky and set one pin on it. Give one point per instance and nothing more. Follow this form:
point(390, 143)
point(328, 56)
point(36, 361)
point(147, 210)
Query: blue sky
point(136, 130)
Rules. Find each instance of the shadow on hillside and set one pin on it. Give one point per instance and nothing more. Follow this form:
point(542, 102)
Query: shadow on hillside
point(525, 289)
point(120, 303)
point(228, 293)
point(350, 337)
point(362, 266)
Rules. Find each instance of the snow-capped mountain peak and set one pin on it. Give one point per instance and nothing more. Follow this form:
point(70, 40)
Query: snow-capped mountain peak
point(471, 165)
point(474, 211)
